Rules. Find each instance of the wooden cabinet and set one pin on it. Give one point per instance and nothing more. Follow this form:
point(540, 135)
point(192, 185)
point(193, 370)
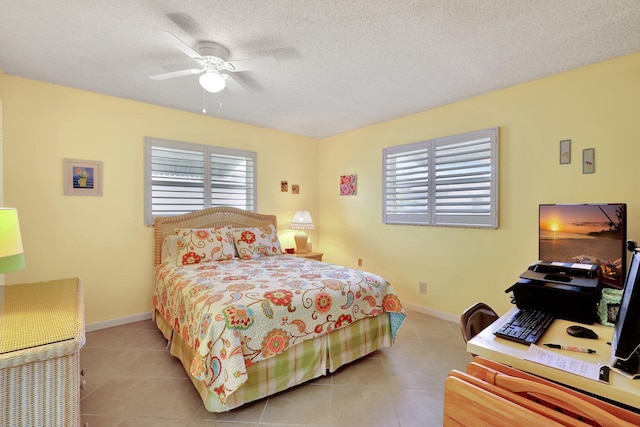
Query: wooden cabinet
point(311, 255)
point(40, 339)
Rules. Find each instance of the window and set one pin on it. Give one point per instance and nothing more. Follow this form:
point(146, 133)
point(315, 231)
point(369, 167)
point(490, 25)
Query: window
point(182, 177)
point(450, 181)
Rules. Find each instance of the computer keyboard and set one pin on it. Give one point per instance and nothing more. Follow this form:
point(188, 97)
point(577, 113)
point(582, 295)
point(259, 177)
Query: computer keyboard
point(526, 326)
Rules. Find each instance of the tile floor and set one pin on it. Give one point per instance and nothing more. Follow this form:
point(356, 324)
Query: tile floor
point(133, 381)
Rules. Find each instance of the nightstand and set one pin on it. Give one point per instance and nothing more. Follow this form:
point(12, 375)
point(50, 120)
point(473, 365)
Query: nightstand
point(311, 255)
point(40, 340)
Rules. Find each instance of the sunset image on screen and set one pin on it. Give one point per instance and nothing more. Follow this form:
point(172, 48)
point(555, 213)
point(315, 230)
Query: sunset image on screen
point(589, 233)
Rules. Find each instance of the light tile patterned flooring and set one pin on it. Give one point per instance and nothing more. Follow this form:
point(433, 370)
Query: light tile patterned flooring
point(132, 381)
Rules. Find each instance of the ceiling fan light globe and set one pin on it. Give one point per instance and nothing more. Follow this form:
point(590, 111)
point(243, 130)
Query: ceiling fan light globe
point(212, 82)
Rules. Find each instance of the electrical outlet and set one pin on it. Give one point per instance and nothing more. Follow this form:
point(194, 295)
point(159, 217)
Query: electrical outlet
point(359, 262)
point(423, 287)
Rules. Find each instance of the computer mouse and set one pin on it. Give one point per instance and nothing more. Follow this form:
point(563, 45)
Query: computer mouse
point(581, 332)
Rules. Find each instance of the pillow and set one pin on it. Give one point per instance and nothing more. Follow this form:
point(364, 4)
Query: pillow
point(169, 249)
point(204, 244)
point(257, 242)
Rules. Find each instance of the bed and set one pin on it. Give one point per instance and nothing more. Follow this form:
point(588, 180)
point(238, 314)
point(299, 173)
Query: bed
point(247, 321)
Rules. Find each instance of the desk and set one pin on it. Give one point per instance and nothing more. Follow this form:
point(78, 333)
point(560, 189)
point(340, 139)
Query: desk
point(620, 389)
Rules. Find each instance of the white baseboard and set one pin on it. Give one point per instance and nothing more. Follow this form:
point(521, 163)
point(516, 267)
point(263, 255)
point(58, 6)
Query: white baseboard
point(431, 312)
point(117, 322)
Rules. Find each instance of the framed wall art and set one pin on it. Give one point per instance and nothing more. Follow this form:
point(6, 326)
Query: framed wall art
point(565, 152)
point(348, 185)
point(588, 160)
point(82, 177)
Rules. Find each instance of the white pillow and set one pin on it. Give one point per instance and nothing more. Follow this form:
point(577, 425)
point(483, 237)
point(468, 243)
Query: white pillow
point(170, 249)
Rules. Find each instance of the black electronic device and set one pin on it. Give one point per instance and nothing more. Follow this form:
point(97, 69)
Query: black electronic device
point(563, 300)
point(590, 233)
point(525, 326)
point(625, 344)
point(564, 273)
point(579, 331)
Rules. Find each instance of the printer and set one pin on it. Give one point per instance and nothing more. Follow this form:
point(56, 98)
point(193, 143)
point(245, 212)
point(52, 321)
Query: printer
point(568, 291)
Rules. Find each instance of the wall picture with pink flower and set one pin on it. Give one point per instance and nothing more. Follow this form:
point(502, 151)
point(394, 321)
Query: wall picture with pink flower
point(348, 185)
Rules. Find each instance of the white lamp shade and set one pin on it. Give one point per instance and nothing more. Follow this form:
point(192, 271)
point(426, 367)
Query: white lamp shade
point(11, 252)
point(212, 81)
point(302, 221)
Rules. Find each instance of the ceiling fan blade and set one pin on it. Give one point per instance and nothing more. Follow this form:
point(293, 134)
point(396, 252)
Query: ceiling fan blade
point(174, 74)
point(268, 63)
point(179, 44)
point(235, 86)
point(184, 65)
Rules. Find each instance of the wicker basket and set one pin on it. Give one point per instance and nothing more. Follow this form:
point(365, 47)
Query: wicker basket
point(41, 333)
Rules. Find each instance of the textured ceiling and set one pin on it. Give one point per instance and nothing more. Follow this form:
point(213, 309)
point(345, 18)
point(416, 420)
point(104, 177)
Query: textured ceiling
point(344, 64)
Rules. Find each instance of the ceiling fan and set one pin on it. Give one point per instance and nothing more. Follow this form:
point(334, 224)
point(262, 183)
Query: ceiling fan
point(212, 60)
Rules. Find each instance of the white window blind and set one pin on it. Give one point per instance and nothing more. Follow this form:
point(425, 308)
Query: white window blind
point(406, 186)
point(182, 177)
point(448, 181)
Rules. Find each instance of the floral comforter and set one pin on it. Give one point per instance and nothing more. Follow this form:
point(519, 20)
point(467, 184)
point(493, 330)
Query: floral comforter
point(236, 312)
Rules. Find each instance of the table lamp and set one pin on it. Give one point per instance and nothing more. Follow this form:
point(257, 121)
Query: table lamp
point(301, 221)
point(11, 252)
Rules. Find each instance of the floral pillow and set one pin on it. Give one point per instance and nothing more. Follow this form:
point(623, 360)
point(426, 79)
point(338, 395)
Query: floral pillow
point(201, 245)
point(257, 242)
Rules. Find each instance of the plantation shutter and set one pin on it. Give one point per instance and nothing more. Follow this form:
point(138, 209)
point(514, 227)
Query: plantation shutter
point(465, 180)
point(406, 184)
point(448, 181)
point(232, 180)
point(182, 178)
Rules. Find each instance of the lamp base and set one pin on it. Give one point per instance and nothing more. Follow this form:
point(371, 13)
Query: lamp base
point(301, 239)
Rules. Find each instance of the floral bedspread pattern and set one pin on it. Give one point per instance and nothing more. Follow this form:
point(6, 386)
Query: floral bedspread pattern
point(234, 313)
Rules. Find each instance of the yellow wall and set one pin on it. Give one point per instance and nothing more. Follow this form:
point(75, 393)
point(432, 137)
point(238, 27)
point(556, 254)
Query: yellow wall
point(1, 149)
point(104, 240)
point(596, 107)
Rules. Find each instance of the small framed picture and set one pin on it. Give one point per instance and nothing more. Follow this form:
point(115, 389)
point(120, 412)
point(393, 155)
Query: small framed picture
point(82, 178)
point(588, 160)
point(348, 185)
point(565, 152)
point(284, 186)
point(295, 189)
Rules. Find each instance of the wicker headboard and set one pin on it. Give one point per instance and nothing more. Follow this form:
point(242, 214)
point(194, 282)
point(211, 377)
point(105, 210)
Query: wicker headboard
point(211, 217)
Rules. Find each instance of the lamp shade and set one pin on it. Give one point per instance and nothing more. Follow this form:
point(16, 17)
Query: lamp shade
point(212, 81)
point(11, 252)
point(302, 221)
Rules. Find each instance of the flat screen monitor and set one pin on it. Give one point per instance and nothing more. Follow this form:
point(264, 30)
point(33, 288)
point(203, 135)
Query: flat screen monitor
point(625, 343)
point(593, 233)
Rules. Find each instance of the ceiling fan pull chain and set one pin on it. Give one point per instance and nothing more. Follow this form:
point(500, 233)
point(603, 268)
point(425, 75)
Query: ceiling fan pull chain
point(204, 101)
